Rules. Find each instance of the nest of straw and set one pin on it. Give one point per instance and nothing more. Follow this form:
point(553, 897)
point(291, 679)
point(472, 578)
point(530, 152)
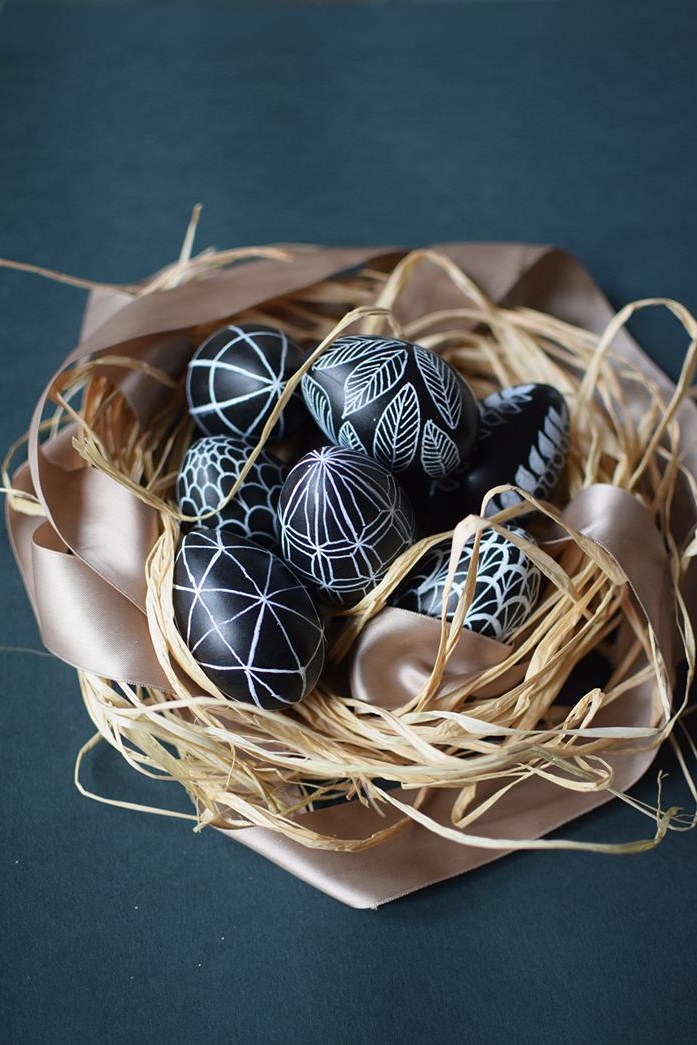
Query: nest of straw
point(245, 766)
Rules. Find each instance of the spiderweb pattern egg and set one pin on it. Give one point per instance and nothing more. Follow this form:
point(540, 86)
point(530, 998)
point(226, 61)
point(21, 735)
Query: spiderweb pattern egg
point(524, 440)
point(210, 469)
point(236, 377)
point(395, 401)
point(247, 620)
point(344, 520)
point(506, 589)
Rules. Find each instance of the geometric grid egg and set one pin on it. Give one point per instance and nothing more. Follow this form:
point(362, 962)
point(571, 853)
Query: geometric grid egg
point(236, 377)
point(505, 593)
point(208, 472)
point(344, 520)
point(246, 619)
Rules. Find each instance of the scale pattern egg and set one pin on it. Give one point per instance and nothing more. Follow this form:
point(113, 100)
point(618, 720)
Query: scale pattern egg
point(524, 441)
point(210, 469)
point(506, 590)
point(237, 376)
point(344, 520)
point(395, 401)
point(247, 620)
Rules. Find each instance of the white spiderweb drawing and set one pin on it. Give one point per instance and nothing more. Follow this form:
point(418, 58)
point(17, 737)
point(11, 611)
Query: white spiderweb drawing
point(506, 590)
point(246, 619)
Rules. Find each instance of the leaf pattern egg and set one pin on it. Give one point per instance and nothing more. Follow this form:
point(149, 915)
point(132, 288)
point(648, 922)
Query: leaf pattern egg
point(524, 440)
point(211, 467)
point(397, 402)
point(506, 589)
point(344, 520)
point(236, 377)
point(247, 620)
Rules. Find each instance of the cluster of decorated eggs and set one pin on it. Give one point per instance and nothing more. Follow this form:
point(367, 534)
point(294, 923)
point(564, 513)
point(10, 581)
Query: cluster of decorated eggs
point(408, 450)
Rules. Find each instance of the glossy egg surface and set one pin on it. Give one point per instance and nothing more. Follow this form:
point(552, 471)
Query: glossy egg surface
point(344, 520)
point(506, 590)
point(247, 620)
point(210, 469)
point(524, 440)
point(395, 401)
point(236, 378)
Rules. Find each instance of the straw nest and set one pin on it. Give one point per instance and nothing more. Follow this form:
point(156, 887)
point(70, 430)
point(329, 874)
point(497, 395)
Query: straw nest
point(241, 765)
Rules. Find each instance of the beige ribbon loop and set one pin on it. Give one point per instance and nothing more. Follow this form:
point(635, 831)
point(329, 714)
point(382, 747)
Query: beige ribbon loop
point(84, 563)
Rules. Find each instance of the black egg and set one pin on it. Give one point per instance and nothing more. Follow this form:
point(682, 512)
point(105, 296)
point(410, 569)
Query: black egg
point(344, 520)
point(237, 376)
point(209, 471)
point(506, 589)
point(524, 441)
point(395, 401)
point(247, 620)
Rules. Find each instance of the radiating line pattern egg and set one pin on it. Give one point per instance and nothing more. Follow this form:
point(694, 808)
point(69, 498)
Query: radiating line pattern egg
point(506, 589)
point(208, 472)
point(524, 440)
point(395, 401)
point(236, 377)
point(344, 520)
point(246, 618)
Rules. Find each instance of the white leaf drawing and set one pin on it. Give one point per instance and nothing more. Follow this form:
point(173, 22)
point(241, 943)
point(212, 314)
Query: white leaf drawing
point(319, 405)
point(373, 377)
point(442, 384)
point(439, 454)
point(350, 348)
point(349, 437)
point(397, 431)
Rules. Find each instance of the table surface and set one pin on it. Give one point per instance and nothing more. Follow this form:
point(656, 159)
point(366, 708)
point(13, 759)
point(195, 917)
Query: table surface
point(567, 123)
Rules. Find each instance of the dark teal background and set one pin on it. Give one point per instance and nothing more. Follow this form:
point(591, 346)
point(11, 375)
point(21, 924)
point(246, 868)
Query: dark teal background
point(568, 123)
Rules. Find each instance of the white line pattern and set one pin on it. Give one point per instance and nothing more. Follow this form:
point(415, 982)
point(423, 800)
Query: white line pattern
point(506, 589)
point(344, 520)
point(247, 620)
point(210, 469)
point(236, 377)
point(416, 411)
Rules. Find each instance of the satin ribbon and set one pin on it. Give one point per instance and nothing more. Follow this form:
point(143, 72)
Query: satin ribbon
point(83, 566)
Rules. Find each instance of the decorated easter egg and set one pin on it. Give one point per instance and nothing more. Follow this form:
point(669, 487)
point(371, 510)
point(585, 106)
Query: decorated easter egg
point(524, 440)
point(246, 618)
point(395, 401)
point(237, 376)
point(506, 589)
point(210, 469)
point(344, 520)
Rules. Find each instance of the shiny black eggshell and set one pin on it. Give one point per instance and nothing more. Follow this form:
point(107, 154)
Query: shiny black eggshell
point(395, 401)
point(247, 620)
point(506, 590)
point(344, 520)
point(236, 378)
point(208, 472)
point(524, 440)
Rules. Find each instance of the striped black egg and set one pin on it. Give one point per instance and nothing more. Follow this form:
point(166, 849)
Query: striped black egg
point(210, 468)
point(396, 401)
point(247, 620)
point(506, 589)
point(344, 520)
point(524, 441)
point(235, 380)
